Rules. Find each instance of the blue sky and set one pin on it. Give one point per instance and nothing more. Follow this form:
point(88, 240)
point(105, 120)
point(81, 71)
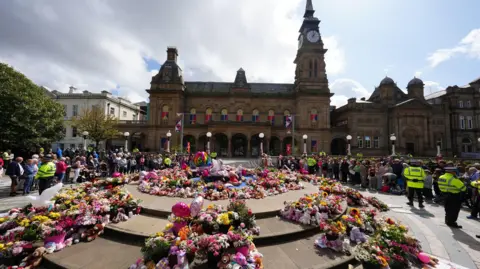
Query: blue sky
point(117, 49)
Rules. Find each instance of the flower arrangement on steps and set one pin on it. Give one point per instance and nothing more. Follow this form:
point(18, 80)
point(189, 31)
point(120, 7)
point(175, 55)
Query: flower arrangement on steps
point(377, 242)
point(214, 237)
point(255, 184)
point(74, 214)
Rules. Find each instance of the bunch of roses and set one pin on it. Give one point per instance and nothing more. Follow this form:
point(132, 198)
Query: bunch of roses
point(75, 212)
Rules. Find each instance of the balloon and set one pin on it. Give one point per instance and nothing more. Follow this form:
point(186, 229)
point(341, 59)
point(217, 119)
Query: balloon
point(181, 210)
point(177, 226)
point(44, 200)
point(201, 159)
point(423, 257)
point(196, 206)
point(116, 174)
point(151, 175)
point(143, 174)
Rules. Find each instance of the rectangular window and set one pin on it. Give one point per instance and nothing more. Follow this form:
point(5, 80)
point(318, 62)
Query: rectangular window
point(75, 110)
point(469, 123)
point(368, 143)
point(359, 141)
point(224, 117)
point(193, 118)
point(62, 146)
point(112, 111)
point(376, 141)
point(65, 107)
point(460, 104)
point(124, 114)
point(74, 131)
point(254, 118)
point(469, 104)
point(462, 122)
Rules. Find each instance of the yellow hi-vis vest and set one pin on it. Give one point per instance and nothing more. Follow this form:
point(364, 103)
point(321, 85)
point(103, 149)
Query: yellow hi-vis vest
point(448, 183)
point(46, 170)
point(476, 184)
point(414, 176)
point(311, 162)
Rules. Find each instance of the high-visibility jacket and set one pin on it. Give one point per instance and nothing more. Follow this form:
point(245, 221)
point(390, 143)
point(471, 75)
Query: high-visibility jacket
point(311, 162)
point(476, 184)
point(167, 161)
point(213, 154)
point(448, 183)
point(415, 176)
point(46, 170)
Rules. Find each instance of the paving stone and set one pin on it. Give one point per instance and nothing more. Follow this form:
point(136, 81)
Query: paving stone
point(141, 225)
point(98, 254)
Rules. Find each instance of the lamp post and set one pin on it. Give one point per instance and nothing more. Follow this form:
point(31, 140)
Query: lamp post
point(305, 144)
point(393, 138)
point(85, 134)
point(126, 135)
point(169, 134)
point(209, 135)
point(349, 149)
point(261, 135)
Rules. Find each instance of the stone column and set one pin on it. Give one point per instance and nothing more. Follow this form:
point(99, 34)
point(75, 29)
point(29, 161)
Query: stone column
point(266, 146)
point(229, 147)
point(248, 147)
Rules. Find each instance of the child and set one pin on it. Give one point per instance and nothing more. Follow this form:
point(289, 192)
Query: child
point(427, 186)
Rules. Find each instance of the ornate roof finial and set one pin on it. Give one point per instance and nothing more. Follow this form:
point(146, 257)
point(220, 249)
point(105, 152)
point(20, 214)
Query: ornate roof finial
point(309, 10)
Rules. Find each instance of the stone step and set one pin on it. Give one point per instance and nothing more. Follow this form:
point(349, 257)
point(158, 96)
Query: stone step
point(98, 254)
point(105, 254)
point(272, 230)
point(268, 207)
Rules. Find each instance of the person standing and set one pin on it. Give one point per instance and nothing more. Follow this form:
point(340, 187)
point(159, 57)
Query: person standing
point(29, 173)
point(427, 187)
point(45, 173)
point(15, 171)
point(415, 176)
point(453, 189)
point(61, 169)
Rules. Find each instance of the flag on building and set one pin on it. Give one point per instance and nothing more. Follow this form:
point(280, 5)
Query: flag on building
point(164, 115)
point(271, 118)
point(314, 117)
point(288, 121)
point(208, 117)
point(289, 149)
point(239, 117)
point(193, 118)
point(254, 118)
point(178, 126)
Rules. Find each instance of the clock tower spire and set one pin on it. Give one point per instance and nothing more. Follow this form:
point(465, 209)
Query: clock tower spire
point(310, 73)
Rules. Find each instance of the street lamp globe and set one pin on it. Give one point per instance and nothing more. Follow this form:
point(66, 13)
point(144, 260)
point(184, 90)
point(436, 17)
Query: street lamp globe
point(305, 136)
point(85, 133)
point(169, 134)
point(393, 138)
point(349, 137)
point(262, 135)
point(209, 134)
point(126, 134)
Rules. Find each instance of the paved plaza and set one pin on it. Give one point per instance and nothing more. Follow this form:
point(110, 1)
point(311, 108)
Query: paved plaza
point(459, 246)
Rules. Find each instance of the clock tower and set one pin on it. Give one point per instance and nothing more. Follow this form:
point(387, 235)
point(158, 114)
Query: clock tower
point(310, 73)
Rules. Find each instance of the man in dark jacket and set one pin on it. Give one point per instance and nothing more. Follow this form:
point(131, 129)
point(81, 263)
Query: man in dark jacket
point(14, 170)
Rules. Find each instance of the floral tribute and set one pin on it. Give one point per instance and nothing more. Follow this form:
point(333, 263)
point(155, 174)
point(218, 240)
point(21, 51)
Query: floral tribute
point(216, 236)
point(230, 183)
point(73, 215)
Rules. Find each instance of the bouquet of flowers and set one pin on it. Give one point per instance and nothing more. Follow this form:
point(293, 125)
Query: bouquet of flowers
point(375, 202)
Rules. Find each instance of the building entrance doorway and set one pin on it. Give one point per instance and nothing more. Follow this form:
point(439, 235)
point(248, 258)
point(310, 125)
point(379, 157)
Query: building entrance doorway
point(410, 148)
point(239, 145)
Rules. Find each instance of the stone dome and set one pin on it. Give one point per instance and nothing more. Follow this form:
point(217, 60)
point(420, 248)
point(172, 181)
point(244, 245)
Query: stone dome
point(415, 81)
point(387, 81)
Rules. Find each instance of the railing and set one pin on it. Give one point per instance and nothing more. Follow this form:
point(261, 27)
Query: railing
point(230, 122)
point(132, 122)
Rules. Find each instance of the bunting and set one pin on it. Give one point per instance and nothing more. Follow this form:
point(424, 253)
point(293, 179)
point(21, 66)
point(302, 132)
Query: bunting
point(178, 126)
point(288, 121)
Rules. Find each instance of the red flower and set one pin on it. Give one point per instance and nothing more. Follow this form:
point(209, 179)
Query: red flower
point(250, 212)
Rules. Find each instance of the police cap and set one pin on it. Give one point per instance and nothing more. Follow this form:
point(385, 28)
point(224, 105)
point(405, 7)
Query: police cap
point(450, 169)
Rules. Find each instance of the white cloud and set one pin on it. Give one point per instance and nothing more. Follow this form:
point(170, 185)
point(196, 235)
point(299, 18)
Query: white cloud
point(469, 45)
point(102, 44)
point(431, 87)
point(345, 89)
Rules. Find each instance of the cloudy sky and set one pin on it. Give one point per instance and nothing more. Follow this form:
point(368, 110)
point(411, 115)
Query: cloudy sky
point(119, 44)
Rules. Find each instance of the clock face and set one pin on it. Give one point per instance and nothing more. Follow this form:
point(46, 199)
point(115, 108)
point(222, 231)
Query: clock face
point(313, 36)
point(300, 41)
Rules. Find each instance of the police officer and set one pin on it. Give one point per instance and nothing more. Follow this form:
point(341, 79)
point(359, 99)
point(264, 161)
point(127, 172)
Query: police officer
point(453, 189)
point(312, 165)
point(45, 173)
point(414, 175)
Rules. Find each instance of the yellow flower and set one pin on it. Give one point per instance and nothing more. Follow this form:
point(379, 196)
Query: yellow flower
point(159, 234)
point(9, 244)
point(54, 215)
point(210, 206)
point(223, 219)
point(323, 203)
point(40, 218)
point(24, 222)
point(2, 220)
point(169, 226)
point(2, 246)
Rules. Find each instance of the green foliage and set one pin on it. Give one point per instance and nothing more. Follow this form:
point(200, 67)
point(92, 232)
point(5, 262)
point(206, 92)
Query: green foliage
point(28, 117)
point(99, 125)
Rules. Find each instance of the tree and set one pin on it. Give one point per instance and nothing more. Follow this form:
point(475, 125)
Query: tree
point(28, 116)
point(99, 125)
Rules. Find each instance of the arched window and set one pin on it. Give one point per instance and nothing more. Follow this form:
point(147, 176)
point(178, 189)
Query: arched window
point(287, 118)
point(271, 116)
point(467, 145)
point(313, 115)
point(239, 115)
point(224, 116)
point(193, 116)
point(208, 115)
point(165, 109)
point(255, 114)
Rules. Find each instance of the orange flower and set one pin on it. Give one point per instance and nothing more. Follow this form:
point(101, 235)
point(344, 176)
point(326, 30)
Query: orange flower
point(183, 233)
point(390, 221)
point(354, 212)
